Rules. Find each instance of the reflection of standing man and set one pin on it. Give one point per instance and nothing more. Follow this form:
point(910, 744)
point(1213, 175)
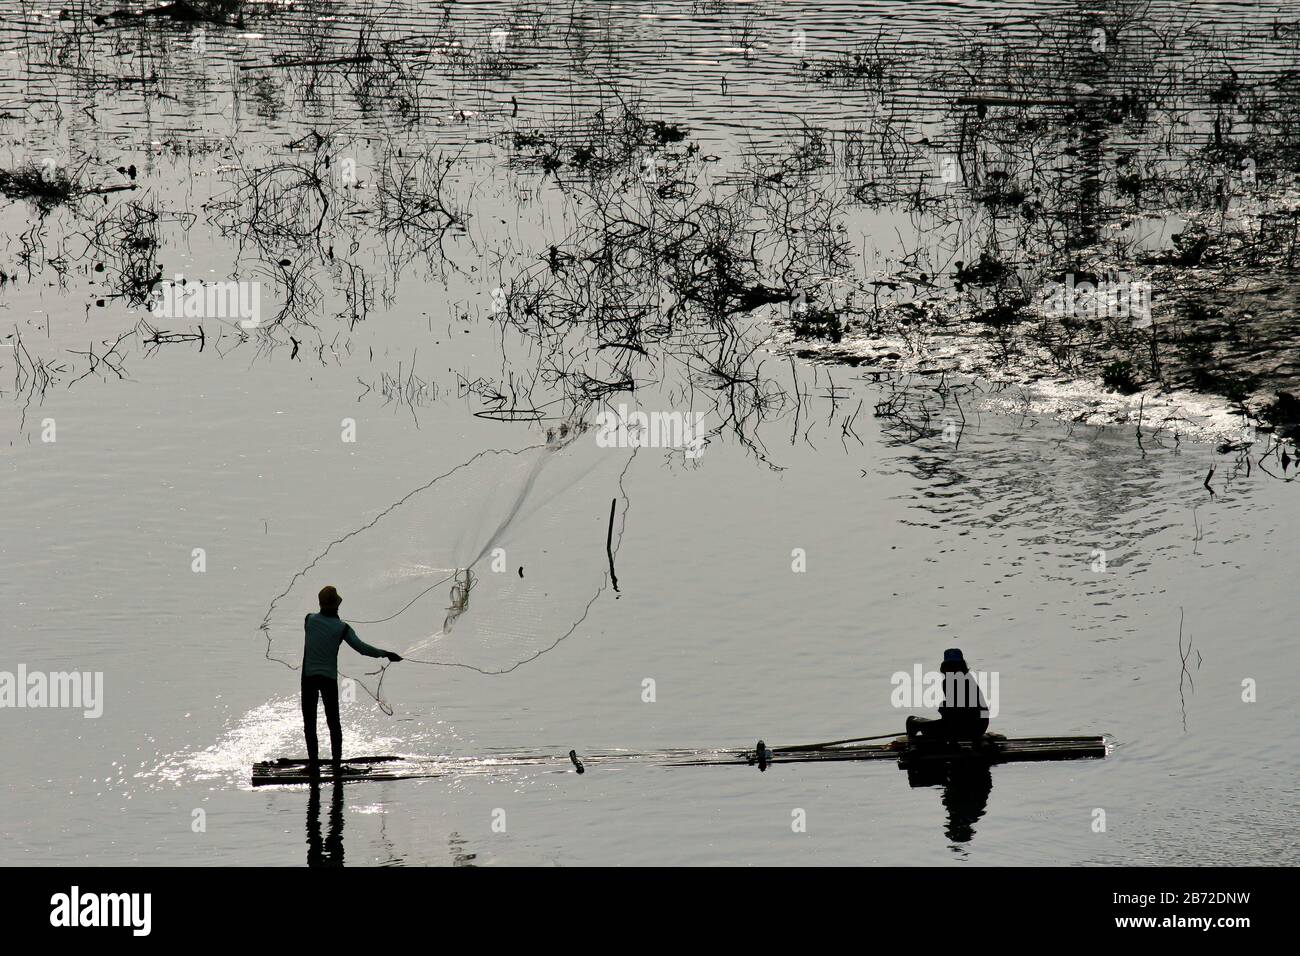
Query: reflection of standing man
point(327, 852)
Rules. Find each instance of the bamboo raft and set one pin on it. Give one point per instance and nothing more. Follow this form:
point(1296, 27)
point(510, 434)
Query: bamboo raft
point(290, 770)
point(991, 749)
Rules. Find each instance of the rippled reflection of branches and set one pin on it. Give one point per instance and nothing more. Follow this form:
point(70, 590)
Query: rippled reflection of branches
point(416, 208)
point(677, 272)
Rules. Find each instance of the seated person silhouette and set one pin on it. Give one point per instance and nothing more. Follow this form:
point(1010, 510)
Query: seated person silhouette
point(963, 716)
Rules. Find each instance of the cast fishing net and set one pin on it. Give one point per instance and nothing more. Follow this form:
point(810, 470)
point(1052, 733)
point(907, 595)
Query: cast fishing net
point(485, 567)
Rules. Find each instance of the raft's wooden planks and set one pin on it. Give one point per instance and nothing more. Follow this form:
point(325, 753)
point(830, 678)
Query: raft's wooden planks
point(992, 750)
point(288, 770)
point(291, 770)
point(1012, 750)
point(302, 762)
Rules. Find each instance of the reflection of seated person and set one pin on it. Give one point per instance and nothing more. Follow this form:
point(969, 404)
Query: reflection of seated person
point(966, 788)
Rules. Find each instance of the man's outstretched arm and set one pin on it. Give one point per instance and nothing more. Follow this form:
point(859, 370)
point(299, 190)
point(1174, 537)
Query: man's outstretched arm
point(361, 647)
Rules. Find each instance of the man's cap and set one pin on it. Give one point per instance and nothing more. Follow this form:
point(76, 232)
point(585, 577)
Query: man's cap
point(953, 654)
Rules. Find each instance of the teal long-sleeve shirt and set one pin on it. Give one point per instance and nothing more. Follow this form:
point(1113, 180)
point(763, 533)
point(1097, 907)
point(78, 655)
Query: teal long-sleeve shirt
point(324, 634)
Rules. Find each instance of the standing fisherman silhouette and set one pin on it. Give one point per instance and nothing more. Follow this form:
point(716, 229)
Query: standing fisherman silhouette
point(323, 634)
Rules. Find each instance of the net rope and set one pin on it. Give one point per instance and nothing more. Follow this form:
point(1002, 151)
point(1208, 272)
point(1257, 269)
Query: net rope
point(535, 516)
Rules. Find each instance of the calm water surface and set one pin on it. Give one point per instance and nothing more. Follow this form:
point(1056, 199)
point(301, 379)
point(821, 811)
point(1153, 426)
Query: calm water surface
point(911, 547)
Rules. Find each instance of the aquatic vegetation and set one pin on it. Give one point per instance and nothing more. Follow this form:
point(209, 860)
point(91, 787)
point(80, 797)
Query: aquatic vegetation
point(605, 141)
point(45, 186)
point(221, 12)
point(1051, 149)
point(1119, 376)
point(1118, 138)
point(815, 322)
point(869, 65)
point(126, 243)
point(414, 201)
point(1284, 415)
